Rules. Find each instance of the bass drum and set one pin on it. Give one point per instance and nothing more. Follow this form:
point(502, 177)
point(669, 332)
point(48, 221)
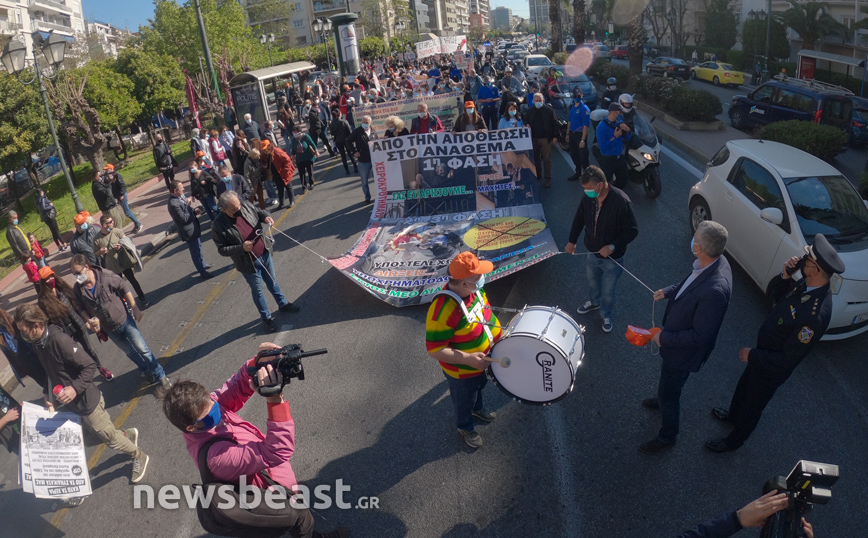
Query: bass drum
point(539, 353)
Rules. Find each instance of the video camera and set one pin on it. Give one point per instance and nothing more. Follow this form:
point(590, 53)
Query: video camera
point(287, 361)
point(809, 483)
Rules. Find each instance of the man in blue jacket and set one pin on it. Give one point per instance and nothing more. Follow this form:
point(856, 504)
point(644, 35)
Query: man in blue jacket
point(611, 134)
point(690, 325)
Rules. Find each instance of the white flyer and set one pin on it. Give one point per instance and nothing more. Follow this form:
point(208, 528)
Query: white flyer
point(53, 460)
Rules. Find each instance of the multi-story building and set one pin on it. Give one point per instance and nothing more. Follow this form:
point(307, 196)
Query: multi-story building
point(109, 39)
point(423, 20)
point(462, 17)
point(501, 18)
point(24, 17)
point(539, 16)
point(483, 8)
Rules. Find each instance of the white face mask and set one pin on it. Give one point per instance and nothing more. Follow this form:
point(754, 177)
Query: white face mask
point(81, 278)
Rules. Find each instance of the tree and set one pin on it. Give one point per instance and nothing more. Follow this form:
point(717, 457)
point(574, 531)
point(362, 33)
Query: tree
point(636, 43)
point(23, 126)
point(579, 8)
point(656, 16)
point(721, 25)
point(555, 19)
point(372, 47)
point(753, 39)
point(111, 94)
point(158, 82)
point(812, 21)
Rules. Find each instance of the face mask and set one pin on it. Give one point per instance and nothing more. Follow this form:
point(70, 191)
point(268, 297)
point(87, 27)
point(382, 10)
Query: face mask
point(237, 213)
point(470, 111)
point(212, 418)
point(26, 337)
point(194, 170)
point(512, 112)
point(391, 129)
point(227, 179)
point(366, 126)
point(51, 282)
point(423, 114)
point(81, 278)
point(84, 226)
point(480, 283)
point(591, 193)
point(537, 104)
point(15, 222)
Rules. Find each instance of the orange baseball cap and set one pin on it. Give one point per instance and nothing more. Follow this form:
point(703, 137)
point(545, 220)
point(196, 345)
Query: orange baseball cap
point(200, 154)
point(81, 217)
point(109, 167)
point(264, 144)
point(46, 272)
point(466, 264)
point(469, 104)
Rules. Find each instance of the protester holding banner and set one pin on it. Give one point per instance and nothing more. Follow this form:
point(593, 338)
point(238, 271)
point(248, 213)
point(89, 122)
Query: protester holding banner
point(425, 123)
point(340, 131)
point(512, 119)
point(470, 120)
point(543, 125)
point(395, 127)
point(358, 140)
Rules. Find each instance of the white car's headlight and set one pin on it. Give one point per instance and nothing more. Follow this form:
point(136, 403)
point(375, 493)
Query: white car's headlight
point(648, 156)
point(835, 283)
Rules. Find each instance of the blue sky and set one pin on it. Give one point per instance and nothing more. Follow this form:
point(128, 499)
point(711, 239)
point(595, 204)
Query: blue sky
point(120, 13)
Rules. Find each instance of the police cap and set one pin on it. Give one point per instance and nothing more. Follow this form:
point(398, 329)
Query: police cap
point(825, 255)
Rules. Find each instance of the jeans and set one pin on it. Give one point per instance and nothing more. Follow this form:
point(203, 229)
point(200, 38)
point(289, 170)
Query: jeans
point(130, 340)
point(365, 173)
point(270, 189)
point(212, 202)
point(466, 398)
point(542, 157)
point(208, 209)
point(195, 246)
point(129, 212)
point(39, 261)
point(265, 265)
point(603, 275)
point(669, 397)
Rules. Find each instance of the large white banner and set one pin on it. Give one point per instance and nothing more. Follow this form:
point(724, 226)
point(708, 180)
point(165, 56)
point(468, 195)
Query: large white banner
point(445, 107)
point(443, 45)
point(424, 49)
point(53, 460)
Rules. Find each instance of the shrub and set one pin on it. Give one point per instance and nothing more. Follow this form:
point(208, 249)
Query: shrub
point(658, 89)
point(740, 60)
point(560, 58)
point(610, 69)
point(823, 141)
point(694, 105)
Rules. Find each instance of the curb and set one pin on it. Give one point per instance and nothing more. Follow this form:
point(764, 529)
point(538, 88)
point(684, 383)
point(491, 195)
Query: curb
point(686, 148)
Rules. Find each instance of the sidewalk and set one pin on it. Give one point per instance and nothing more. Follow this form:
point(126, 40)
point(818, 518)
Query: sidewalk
point(700, 145)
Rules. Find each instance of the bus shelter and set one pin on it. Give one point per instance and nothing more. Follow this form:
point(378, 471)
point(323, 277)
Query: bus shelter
point(254, 92)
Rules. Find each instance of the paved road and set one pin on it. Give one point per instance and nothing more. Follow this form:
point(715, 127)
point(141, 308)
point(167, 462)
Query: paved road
point(375, 411)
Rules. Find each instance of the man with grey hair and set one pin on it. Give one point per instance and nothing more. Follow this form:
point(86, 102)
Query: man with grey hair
point(238, 234)
point(251, 128)
point(17, 238)
point(691, 322)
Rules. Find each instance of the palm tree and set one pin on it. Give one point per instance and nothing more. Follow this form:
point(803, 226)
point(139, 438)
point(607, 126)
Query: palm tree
point(555, 19)
point(579, 21)
point(812, 21)
point(636, 43)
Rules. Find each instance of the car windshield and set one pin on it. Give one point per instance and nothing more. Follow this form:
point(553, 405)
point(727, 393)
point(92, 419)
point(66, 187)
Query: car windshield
point(539, 61)
point(675, 61)
point(602, 48)
point(831, 206)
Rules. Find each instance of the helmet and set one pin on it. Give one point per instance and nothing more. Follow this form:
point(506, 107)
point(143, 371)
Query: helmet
point(612, 81)
point(626, 102)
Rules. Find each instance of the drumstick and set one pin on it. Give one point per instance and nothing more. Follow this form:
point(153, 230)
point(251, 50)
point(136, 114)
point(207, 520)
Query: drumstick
point(504, 362)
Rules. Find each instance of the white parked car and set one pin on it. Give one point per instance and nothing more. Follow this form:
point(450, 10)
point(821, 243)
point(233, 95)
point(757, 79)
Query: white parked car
point(534, 63)
point(773, 199)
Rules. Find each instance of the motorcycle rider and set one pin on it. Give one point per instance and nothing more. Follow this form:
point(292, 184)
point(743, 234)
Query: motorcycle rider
point(627, 108)
point(612, 93)
point(510, 83)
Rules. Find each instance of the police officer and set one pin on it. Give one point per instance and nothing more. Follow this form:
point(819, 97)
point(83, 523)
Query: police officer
point(611, 133)
point(580, 123)
point(795, 325)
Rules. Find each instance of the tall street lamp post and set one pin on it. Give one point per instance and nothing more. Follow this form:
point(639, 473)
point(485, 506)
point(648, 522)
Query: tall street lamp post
point(768, 38)
point(14, 60)
point(323, 27)
point(268, 39)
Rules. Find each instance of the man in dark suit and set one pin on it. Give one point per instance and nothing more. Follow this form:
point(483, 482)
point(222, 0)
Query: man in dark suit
point(690, 325)
point(182, 212)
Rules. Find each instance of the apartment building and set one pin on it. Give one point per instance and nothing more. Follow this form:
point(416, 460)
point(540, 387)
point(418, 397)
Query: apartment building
point(24, 17)
point(501, 18)
point(482, 8)
point(105, 36)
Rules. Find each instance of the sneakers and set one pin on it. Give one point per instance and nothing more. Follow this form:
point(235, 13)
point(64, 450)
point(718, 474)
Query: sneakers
point(166, 383)
point(140, 465)
point(269, 325)
point(485, 415)
point(720, 414)
point(473, 439)
point(341, 532)
point(138, 228)
point(133, 435)
point(607, 325)
point(289, 307)
point(720, 446)
point(206, 275)
point(144, 303)
point(587, 307)
point(575, 176)
point(106, 373)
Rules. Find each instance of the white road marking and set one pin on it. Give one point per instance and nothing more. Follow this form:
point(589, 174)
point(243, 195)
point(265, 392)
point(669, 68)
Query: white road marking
point(696, 172)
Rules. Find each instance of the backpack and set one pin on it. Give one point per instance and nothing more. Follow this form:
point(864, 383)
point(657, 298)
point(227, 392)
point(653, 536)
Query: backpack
point(258, 522)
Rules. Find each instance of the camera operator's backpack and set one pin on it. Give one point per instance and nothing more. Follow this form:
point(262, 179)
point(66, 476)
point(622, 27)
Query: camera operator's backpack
point(258, 522)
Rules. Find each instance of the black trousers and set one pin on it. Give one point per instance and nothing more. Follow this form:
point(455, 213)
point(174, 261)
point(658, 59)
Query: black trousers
point(580, 156)
point(55, 232)
point(753, 393)
point(324, 137)
point(168, 176)
point(343, 149)
point(615, 165)
point(130, 275)
point(305, 168)
point(283, 191)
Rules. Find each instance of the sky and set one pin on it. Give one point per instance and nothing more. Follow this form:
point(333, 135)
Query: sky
point(519, 7)
point(119, 13)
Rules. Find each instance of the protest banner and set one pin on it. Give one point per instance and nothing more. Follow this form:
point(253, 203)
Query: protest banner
point(424, 49)
point(445, 106)
point(53, 462)
point(463, 62)
point(443, 193)
point(452, 44)
point(410, 56)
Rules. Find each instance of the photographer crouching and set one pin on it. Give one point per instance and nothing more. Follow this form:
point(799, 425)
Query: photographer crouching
point(232, 448)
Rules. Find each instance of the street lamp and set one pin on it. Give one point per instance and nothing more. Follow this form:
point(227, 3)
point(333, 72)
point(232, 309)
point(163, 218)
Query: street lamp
point(268, 40)
point(400, 26)
point(14, 60)
point(766, 16)
point(323, 27)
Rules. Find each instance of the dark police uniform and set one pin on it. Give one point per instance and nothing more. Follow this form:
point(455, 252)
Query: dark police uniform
point(798, 320)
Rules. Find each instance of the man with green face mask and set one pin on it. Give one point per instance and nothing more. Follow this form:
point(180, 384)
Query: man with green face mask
point(606, 214)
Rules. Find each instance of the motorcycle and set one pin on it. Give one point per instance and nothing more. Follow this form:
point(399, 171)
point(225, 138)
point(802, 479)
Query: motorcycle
point(643, 152)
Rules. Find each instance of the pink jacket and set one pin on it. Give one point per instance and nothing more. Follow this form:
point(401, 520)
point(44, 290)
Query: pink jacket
point(254, 451)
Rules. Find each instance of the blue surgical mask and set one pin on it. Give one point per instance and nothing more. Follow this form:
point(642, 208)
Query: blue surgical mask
point(227, 179)
point(591, 193)
point(470, 111)
point(211, 419)
point(15, 222)
point(537, 104)
point(84, 226)
point(366, 126)
point(480, 283)
point(512, 112)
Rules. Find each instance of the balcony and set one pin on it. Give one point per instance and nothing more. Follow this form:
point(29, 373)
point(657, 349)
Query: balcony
point(9, 27)
point(51, 5)
point(335, 5)
point(51, 26)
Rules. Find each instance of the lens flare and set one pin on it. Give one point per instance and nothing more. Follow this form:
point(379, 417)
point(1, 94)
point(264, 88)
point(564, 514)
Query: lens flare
point(579, 61)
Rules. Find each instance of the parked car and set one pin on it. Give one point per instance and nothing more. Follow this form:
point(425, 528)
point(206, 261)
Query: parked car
point(666, 66)
point(513, 51)
point(569, 48)
point(602, 51)
point(784, 99)
point(859, 132)
point(718, 73)
point(773, 199)
point(534, 63)
point(621, 51)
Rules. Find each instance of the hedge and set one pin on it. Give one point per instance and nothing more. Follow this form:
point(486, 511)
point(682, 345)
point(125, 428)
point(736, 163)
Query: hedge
point(603, 69)
point(560, 58)
point(676, 99)
point(823, 141)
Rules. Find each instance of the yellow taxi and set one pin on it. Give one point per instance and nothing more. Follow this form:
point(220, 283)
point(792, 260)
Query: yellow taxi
point(718, 73)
